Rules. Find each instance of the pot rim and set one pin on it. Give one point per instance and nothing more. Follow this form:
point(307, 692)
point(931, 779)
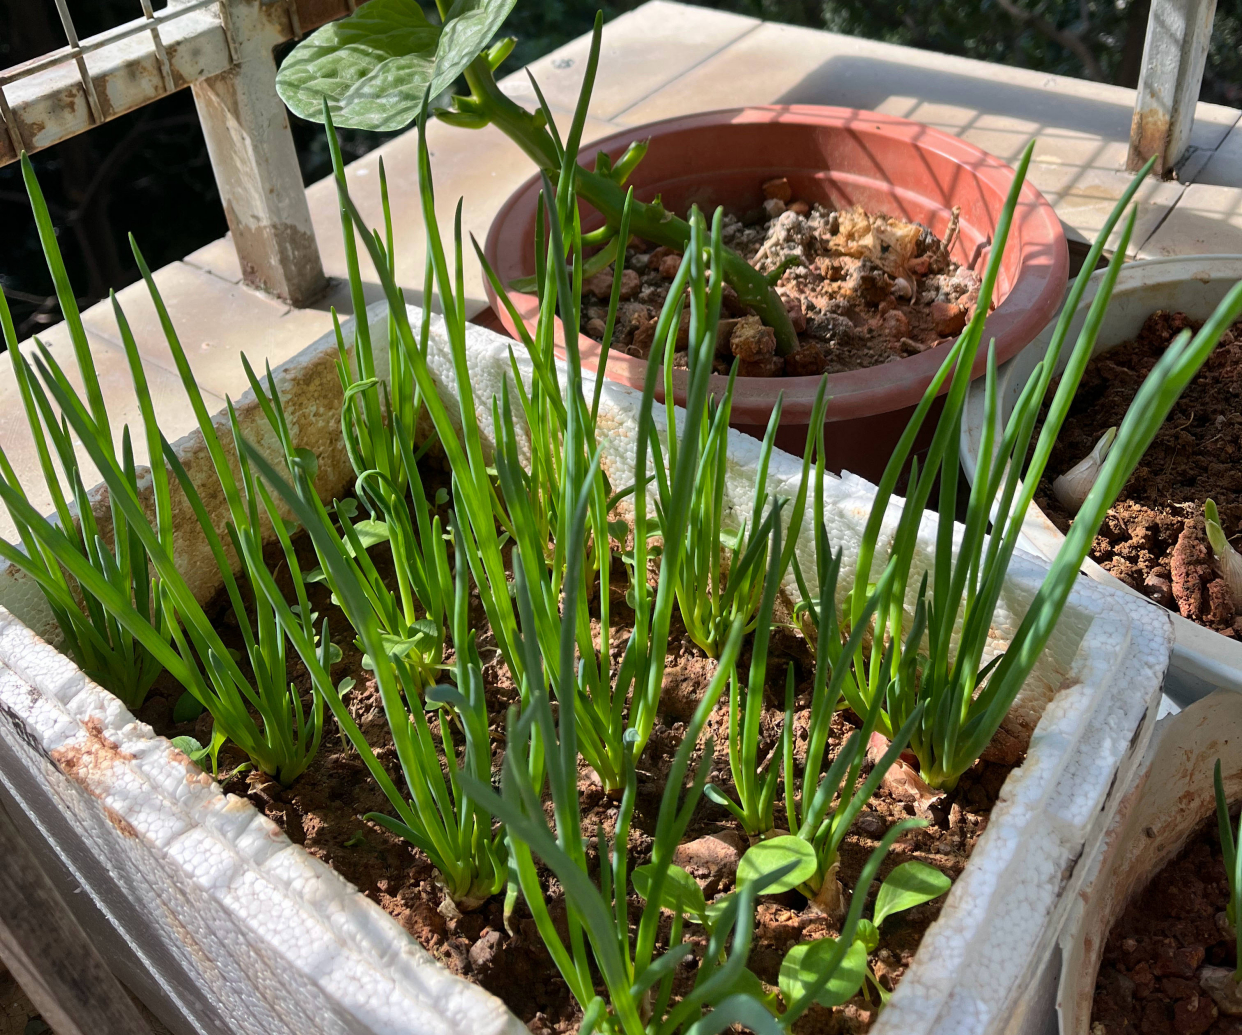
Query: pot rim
point(1037, 292)
point(1201, 653)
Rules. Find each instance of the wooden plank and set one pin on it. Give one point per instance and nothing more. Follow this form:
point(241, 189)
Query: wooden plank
point(47, 951)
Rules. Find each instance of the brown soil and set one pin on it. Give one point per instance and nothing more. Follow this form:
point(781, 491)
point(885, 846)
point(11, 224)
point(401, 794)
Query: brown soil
point(322, 811)
point(1148, 983)
point(1153, 538)
point(865, 290)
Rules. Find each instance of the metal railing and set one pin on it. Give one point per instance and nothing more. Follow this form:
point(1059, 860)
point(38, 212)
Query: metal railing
point(222, 50)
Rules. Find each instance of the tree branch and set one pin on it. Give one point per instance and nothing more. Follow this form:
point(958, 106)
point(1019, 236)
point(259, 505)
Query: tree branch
point(1069, 40)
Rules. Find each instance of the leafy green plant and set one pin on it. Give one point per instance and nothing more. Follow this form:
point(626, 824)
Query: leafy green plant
point(375, 410)
point(378, 423)
point(722, 574)
point(103, 647)
point(909, 884)
point(402, 650)
point(380, 68)
point(1233, 862)
point(540, 495)
point(756, 794)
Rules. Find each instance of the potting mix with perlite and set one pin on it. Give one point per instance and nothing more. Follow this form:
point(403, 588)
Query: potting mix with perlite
point(861, 289)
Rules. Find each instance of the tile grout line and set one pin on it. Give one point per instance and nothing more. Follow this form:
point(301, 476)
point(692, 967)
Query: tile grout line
point(1160, 221)
point(111, 343)
point(1213, 151)
point(681, 75)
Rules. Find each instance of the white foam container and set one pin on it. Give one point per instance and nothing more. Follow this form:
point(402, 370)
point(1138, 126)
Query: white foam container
point(1171, 795)
point(1203, 660)
point(226, 928)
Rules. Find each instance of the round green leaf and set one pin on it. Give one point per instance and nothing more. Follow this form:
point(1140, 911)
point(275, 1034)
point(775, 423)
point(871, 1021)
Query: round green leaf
point(806, 962)
point(868, 934)
point(372, 67)
point(375, 67)
point(187, 709)
point(190, 747)
point(769, 856)
point(909, 885)
point(681, 892)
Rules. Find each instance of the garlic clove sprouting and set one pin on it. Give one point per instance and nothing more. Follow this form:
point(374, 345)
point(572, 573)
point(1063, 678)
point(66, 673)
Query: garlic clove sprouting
point(1072, 487)
point(1228, 560)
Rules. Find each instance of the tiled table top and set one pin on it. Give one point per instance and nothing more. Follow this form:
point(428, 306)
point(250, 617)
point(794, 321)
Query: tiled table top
point(661, 60)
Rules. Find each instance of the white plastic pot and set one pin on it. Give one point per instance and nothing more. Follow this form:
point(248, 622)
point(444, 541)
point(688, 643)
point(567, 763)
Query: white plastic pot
point(1171, 796)
point(226, 927)
point(1203, 660)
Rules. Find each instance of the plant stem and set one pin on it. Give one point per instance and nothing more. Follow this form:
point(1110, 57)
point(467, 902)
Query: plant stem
point(652, 222)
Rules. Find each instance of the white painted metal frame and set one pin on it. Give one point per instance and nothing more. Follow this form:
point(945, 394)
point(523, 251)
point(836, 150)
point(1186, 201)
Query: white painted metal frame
point(1174, 55)
point(223, 50)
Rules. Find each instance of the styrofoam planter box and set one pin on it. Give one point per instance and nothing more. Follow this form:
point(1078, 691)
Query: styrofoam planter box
point(227, 928)
point(1203, 660)
point(1170, 797)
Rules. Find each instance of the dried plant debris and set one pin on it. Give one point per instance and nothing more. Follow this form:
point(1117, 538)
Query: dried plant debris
point(861, 289)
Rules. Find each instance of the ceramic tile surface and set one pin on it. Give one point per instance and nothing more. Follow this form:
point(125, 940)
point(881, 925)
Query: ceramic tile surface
point(167, 395)
point(215, 321)
point(1206, 221)
point(1224, 167)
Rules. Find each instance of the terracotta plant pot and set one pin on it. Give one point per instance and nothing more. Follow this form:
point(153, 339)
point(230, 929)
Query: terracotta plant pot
point(838, 157)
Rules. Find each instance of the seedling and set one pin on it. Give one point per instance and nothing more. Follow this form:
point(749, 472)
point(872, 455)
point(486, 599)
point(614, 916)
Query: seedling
point(830, 971)
point(381, 68)
point(1233, 863)
point(102, 646)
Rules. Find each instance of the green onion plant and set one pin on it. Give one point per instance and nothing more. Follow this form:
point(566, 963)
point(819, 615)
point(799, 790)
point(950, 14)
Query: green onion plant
point(1233, 863)
point(962, 700)
point(440, 814)
point(101, 645)
point(638, 979)
point(166, 619)
point(722, 573)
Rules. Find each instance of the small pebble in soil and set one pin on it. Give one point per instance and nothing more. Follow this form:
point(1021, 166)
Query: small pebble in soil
point(871, 825)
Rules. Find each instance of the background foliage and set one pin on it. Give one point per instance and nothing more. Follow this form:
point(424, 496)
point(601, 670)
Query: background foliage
point(148, 172)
